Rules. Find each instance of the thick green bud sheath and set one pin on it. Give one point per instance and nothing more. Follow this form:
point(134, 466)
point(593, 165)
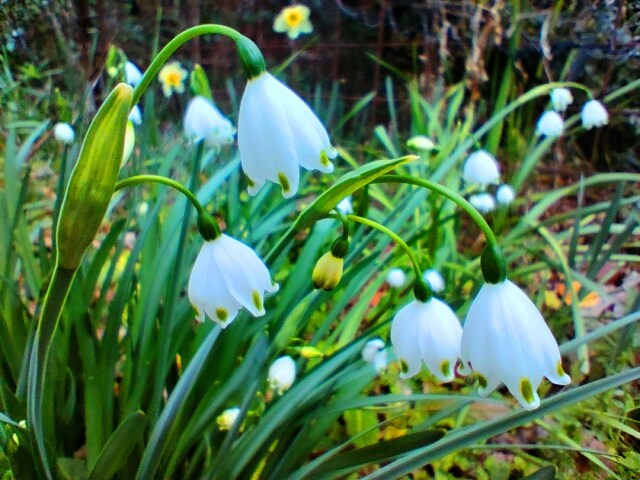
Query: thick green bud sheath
point(493, 264)
point(250, 57)
point(93, 179)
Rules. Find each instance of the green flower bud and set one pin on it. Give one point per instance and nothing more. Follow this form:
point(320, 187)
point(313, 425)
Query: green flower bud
point(199, 82)
point(421, 144)
point(93, 178)
point(328, 271)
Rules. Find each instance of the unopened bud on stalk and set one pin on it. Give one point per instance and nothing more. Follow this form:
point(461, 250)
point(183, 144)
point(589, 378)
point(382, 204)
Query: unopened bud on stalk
point(93, 178)
point(199, 83)
point(328, 270)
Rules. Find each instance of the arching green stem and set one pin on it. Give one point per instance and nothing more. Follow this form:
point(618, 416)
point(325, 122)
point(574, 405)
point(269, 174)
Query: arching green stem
point(421, 288)
point(250, 55)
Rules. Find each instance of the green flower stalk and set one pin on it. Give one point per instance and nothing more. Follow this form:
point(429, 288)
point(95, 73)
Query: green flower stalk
point(93, 179)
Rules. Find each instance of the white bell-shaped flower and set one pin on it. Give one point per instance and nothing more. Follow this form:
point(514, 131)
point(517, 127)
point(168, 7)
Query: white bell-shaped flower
point(505, 195)
point(278, 132)
point(505, 339)
point(132, 74)
point(427, 332)
point(483, 202)
point(421, 143)
point(434, 279)
point(203, 121)
point(374, 353)
point(228, 275)
point(550, 124)
point(345, 206)
point(594, 115)
point(63, 132)
point(396, 278)
point(282, 374)
point(561, 98)
point(481, 167)
point(227, 418)
point(136, 115)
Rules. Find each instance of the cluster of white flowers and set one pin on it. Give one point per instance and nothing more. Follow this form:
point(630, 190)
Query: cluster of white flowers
point(504, 339)
point(374, 353)
point(551, 124)
point(482, 169)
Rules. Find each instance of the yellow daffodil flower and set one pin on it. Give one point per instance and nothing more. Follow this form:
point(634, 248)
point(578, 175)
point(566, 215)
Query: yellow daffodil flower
point(293, 21)
point(172, 77)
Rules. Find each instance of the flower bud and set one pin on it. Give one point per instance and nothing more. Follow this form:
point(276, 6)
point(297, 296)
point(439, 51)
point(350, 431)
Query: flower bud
point(421, 143)
point(199, 83)
point(310, 352)
point(93, 178)
point(328, 271)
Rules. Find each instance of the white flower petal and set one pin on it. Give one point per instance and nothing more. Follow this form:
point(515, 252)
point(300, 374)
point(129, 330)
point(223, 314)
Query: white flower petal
point(561, 98)
point(594, 115)
point(203, 121)
point(282, 374)
point(396, 278)
point(403, 338)
point(483, 202)
point(439, 338)
point(505, 195)
point(550, 125)
point(371, 348)
point(434, 279)
point(132, 74)
point(63, 132)
point(481, 167)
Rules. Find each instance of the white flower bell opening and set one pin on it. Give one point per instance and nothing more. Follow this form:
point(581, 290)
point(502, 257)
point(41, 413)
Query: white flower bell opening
point(228, 275)
point(561, 98)
point(550, 125)
point(594, 115)
point(277, 133)
point(282, 374)
point(481, 167)
point(427, 332)
point(227, 418)
point(505, 195)
point(434, 279)
point(396, 278)
point(203, 121)
point(483, 202)
point(63, 133)
point(374, 353)
point(132, 74)
point(505, 339)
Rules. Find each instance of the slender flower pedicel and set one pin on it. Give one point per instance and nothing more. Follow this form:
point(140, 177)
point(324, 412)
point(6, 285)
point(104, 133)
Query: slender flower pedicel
point(277, 133)
point(481, 167)
point(282, 374)
point(203, 121)
point(228, 275)
point(427, 332)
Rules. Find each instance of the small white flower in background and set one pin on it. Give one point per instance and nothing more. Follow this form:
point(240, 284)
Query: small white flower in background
point(282, 374)
point(594, 115)
point(427, 332)
point(277, 132)
point(421, 143)
point(172, 77)
point(550, 125)
point(434, 279)
point(505, 195)
point(505, 339)
point(561, 98)
point(396, 278)
point(483, 202)
point(481, 167)
point(203, 121)
point(63, 132)
point(132, 74)
point(136, 115)
point(345, 206)
point(228, 275)
point(227, 418)
point(374, 353)
point(143, 208)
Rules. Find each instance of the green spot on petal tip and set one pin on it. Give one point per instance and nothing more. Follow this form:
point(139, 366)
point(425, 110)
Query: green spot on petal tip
point(482, 381)
point(284, 182)
point(527, 390)
point(221, 314)
point(257, 301)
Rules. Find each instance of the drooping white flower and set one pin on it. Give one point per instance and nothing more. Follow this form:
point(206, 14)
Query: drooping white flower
point(427, 332)
point(277, 132)
point(136, 115)
point(505, 194)
point(228, 275)
point(132, 74)
point(481, 167)
point(63, 132)
point(203, 121)
point(345, 206)
point(421, 143)
point(374, 353)
point(396, 278)
point(594, 115)
point(282, 374)
point(505, 339)
point(227, 418)
point(561, 98)
point(483, 202)
point(434, 279)
point(550, 124)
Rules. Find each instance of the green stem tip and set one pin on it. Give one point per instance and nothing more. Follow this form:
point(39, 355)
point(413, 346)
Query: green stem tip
point(493, 264)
